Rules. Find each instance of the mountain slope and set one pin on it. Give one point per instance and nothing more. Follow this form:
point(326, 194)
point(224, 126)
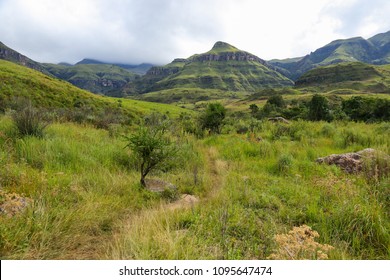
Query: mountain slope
point(350, 76)
point(375, 50)
point(139, 69)
point(11, 55)
point(45, 91)
point(224, 67)
point(97, 78)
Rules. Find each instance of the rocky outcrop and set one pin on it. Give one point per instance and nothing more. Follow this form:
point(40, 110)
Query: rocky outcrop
point(9, 54)
point(162, 71)
point(353, 163)
point(228, 56)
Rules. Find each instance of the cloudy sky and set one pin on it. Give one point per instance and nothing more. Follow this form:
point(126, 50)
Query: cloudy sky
point(157, 31)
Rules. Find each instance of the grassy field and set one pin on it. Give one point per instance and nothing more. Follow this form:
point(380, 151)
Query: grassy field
point(85, 200)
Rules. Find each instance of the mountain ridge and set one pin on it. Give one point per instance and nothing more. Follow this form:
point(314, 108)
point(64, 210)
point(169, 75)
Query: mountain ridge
point(375, 50)
point(224, 67)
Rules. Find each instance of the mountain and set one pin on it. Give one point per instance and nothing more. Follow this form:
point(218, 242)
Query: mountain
point(139, 69)
point(9, 54)
point(349, 77)
point(375, 50)
point(43, 90)
point(98, 78)
point(49, 92)
point(224, 67)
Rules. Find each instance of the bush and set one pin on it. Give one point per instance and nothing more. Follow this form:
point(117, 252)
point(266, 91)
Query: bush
point(29, 121)
point(213, 117)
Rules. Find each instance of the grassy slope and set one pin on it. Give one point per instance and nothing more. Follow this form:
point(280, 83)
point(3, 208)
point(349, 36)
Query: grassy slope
point(213, 70)
point(347, 77)
point(98, 78)
point(45, 91)
point(229, 75)
point(87, 203)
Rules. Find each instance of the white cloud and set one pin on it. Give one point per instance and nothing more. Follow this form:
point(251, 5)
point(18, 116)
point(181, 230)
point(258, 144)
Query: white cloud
point(158, 31)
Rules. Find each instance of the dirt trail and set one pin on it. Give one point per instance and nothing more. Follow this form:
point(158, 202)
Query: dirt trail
point(139, 225)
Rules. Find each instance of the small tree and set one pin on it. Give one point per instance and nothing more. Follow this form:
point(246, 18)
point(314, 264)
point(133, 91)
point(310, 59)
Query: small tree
point(277, 100)
point(319, 108)
point(212, 118)
point(152, 148)
point(254, 110)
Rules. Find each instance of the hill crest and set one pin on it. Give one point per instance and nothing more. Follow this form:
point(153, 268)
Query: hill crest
point(224, 67)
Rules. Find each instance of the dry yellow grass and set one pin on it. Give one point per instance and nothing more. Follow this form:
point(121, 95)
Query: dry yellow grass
point(299, 244)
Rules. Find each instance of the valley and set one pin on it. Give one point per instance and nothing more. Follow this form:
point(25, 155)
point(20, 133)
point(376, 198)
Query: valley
point(231, 146)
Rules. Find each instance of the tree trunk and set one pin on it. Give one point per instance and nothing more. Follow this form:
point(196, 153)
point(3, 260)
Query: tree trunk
point(142, 181)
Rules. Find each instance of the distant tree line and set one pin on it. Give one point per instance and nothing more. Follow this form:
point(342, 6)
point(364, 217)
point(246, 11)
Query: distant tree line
point(319, 107)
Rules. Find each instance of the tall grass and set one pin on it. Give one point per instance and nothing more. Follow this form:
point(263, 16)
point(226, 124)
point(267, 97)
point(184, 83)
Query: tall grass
point(87, 203)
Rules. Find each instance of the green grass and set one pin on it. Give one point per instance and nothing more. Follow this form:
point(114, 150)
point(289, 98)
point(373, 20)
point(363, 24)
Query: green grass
point(48, 92)
point(88, 203)
point(348, 77)
point(262, 189)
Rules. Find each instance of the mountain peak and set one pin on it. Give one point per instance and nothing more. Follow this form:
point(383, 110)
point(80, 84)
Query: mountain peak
point(223, 47)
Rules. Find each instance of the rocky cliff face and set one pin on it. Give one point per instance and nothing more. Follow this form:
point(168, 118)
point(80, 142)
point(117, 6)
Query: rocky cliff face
point(9, 54)
point(224, 67)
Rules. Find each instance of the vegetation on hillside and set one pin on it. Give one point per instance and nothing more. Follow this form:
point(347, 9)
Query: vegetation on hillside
point(224, 67)
point(319, 107)
point(86, 201)
point(375, 50)
point(67, 101)
point(243, 186)
point(97, 78)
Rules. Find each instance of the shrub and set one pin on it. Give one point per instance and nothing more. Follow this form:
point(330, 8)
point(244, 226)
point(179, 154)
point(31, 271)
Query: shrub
point(213, 117)
point(152, 148)
point(319, 108)
point(29, 121)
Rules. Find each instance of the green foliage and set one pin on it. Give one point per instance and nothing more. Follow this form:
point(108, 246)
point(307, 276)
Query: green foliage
point(152, 147)
point(360, 108)
point(319, 108)
point(212, 118)
point(276, 100)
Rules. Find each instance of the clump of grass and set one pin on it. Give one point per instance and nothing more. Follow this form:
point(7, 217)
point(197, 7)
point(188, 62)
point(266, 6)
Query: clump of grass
point(29, 121)
point(300, 244)
point(284, 164)
point(376, 166)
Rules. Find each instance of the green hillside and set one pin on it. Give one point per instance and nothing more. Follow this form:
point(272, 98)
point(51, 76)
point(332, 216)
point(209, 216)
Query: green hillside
point(9, 54)
point(224, 67)
point(49, 92)
point(375, 50)
point(98, 78)
point(355, 77)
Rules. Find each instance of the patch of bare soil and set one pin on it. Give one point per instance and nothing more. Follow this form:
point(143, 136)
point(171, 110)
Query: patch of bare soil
point(185, 201)
point(158, 185)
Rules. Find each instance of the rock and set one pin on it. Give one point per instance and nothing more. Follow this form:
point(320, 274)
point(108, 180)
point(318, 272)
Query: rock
point(351, 163)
